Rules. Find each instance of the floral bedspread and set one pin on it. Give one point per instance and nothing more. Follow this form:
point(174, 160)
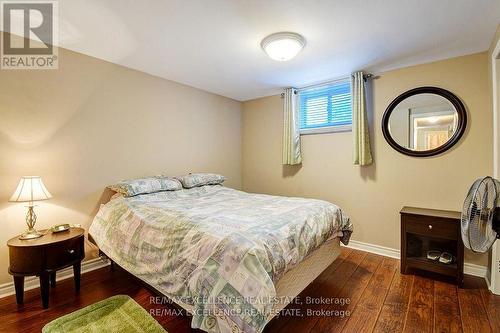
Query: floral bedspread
point(217, 249)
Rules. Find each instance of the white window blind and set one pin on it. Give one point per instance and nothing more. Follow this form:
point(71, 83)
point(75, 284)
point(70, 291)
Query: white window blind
point(326, 106)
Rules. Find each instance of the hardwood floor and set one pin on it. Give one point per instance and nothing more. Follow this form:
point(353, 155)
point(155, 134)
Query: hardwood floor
point(380, 300)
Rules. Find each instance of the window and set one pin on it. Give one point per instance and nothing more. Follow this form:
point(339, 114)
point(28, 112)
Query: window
point(326, 108)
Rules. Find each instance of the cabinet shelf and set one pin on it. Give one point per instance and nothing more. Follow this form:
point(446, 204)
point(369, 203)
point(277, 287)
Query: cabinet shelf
point(425, 230)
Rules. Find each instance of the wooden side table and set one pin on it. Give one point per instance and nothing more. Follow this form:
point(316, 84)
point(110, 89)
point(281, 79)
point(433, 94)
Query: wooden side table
point(44, 256)
point(424, 230)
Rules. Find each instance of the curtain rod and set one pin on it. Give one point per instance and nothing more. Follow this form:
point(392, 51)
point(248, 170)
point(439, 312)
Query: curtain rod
point(367, 76)
point(317, 84)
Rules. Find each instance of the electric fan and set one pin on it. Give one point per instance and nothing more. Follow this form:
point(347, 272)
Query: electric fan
point(481, 224)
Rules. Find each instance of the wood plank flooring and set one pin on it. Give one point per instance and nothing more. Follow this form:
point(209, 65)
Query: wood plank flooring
point(380, 299)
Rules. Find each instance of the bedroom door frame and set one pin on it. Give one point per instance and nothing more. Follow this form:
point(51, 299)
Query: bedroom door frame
point(492, 278)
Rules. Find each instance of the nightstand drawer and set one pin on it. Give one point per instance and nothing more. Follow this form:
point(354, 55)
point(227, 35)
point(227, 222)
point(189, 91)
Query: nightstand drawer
point(25, 260)
point(441, 228)
point(62, 254)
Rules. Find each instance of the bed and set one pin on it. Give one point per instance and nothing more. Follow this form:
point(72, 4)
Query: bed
point(230, 258)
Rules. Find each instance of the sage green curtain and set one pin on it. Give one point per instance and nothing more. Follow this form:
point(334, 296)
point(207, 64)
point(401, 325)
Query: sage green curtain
point(291, 134)
point(362, 152)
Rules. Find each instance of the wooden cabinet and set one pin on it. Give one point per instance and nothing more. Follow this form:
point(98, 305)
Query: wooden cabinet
point(43, 257)
point(424, 230)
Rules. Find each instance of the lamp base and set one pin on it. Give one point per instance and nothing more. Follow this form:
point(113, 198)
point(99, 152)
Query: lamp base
point(31, 234)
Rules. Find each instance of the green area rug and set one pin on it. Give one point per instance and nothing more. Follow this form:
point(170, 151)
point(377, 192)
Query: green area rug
point(115, 314)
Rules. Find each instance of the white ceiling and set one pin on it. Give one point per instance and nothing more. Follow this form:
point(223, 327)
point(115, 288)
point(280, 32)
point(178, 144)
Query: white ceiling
point(214, 44)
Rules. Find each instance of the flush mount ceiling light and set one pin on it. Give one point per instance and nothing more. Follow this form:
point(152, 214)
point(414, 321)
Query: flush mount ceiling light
point(283, 46)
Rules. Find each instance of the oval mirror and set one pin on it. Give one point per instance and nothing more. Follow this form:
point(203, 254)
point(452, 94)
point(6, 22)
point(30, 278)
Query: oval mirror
point(424, 121)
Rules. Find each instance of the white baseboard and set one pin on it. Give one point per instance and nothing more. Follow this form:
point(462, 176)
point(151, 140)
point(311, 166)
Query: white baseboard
point(377, 249)
point(470, 269)
point(32, 282)
point(476, 270)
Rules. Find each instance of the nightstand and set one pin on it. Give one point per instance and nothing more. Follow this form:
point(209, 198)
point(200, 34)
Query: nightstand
point(44, 256)
point(425, 230)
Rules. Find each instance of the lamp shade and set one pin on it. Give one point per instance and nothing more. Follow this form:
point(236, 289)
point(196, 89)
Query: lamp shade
point(30, 188)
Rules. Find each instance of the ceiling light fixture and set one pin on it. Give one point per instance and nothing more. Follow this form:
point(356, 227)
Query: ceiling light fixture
point(283, 46)
point(433, 119)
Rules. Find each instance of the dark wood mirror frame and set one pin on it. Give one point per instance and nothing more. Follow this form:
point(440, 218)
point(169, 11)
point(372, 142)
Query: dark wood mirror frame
point(457, 103)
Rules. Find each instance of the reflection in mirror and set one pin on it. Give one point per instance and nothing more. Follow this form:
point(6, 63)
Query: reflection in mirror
point(423, 122)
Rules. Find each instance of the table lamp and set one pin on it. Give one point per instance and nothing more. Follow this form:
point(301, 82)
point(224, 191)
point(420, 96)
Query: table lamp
point(30, 189)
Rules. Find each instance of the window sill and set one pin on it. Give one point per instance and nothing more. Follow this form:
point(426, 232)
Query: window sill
point(323, 130)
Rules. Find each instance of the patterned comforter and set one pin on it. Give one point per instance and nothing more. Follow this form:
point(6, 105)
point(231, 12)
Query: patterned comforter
point(217, 249)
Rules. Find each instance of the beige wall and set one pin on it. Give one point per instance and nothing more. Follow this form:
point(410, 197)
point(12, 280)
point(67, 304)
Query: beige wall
point(373, 195)
point(494, 59)
point(91, 123)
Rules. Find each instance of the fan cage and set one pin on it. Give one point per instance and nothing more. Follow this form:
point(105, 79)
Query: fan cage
point(480, 215)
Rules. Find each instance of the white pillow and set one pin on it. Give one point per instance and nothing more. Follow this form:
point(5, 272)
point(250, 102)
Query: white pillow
point(147, 185)
point(200, 179)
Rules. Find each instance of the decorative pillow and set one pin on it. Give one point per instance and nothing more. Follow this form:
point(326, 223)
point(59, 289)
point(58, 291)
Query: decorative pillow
point(130, 188)
point(200, 179)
